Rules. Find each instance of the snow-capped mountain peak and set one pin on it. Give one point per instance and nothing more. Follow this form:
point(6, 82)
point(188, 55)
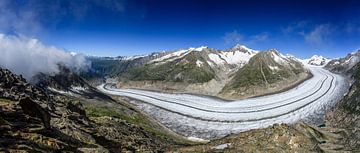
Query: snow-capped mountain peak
point(237, 55)
point(317, 60)
point(243, 48)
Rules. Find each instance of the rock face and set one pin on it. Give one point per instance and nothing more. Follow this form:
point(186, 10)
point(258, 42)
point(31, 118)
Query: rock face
point(346, 114)
point(34, 120)
point(33, 109)
point(15, 87)
point(344, 65)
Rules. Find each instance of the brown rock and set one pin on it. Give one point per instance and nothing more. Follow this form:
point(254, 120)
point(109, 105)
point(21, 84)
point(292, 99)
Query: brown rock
point(33, 109)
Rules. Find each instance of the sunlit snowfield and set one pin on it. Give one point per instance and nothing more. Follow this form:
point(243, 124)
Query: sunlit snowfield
point(208, 118)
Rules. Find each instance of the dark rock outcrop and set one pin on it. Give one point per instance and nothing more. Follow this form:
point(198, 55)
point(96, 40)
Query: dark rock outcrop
point(346, 114)
point(69, 82)
point(33, 109)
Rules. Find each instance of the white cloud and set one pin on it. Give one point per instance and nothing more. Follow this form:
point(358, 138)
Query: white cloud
point(259, 37)
point(235, 38)
point(232, 37)
point(351, 27)
point(294, 27)
point(21, 20)
point(318, 35)
point(28, 57)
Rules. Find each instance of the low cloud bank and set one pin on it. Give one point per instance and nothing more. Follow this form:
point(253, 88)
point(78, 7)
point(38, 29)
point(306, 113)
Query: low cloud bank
point(29, 57)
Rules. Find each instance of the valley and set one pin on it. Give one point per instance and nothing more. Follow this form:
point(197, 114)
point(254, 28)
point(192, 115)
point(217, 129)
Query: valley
point(209, 118)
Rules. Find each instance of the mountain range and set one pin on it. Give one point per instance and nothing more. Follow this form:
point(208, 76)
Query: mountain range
point(237, 72)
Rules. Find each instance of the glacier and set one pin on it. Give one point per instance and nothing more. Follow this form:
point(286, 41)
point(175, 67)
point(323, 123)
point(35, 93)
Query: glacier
point(206, 117)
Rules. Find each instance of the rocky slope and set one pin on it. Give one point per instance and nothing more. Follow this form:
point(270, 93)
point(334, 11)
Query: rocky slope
point(114, 66)
point(35, 120)
point(186, 66)
point(265, 73)
point(67, 82)
point(299, 137)
point(196, 70)
point(346, 114)
point(344, 65)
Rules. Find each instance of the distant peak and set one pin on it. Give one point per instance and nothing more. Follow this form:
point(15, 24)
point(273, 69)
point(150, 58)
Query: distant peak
point(237, 46)
point(274, 51)
point(317, 60)
point(316, 56)
point(243, 47)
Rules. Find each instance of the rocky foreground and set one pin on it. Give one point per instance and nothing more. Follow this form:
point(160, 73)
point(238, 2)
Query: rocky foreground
point(34, 120)
point(277, 138)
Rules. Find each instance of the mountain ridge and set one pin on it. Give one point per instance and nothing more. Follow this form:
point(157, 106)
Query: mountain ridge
point(202, 70)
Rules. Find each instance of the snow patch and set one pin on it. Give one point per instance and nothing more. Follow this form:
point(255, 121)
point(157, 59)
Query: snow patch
point(177, 54)
point(278, 57)
point(197, 139)
point(199, 63)
point(216, 59)
point(59, 91)
point(274, 68)
point(236, 57)
point(78, 88)
point(222, 146)
point(210, 63)
point(133, 57)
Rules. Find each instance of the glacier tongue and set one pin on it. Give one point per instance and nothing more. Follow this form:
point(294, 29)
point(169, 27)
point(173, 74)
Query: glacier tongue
point(208, 118)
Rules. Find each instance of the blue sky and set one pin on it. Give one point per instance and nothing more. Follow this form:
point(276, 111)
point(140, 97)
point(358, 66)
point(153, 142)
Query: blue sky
point(129, 27)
